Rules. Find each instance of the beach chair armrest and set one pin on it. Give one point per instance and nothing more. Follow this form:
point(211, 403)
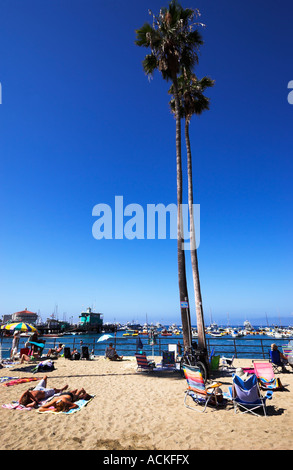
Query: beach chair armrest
point(218, 384)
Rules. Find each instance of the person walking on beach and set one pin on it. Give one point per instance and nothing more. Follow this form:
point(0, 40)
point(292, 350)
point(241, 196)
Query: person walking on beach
point(15, 343)
point(32, 397)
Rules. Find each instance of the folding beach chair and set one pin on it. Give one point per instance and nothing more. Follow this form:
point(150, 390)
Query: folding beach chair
point(287, 350)
point(168, 360)
point(67, 353)
point(266, 377)
point(197, 390)
point(173, 347)
point(278, 365)
point(39, 346)
point(246, 395)
point(143, 363)
point(85, 353)
point(24, 351)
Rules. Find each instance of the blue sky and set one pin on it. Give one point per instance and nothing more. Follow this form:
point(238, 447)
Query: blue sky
point(81, 123)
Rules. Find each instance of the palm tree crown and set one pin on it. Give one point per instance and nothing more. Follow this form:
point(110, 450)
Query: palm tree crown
point(173, 41)
point(191, 94)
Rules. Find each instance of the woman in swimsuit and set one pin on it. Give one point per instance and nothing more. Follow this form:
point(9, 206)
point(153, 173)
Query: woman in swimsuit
point(65, 401)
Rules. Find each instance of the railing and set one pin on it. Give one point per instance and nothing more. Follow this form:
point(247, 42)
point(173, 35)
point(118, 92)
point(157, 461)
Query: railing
point(241, 347)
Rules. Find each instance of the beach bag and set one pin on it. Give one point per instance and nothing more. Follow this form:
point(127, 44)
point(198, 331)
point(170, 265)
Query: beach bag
point(45, 366)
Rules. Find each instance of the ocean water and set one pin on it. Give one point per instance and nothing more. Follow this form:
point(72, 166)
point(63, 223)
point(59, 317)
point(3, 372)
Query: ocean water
point(251, 346)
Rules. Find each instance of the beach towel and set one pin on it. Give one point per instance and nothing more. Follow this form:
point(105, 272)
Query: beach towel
point(5, 379)
point(15, 406)
point(80, 403)
point(19, 381)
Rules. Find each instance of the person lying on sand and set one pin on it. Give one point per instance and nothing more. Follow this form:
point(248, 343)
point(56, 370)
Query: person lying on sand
point(32, 397)
point(65, 401)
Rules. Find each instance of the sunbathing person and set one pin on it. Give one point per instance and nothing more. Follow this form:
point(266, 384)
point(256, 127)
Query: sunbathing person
point(65, 401)
point(27, 358)
point(32, 397)
point(55, 351)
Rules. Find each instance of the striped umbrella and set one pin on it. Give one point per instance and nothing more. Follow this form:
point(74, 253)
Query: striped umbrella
point(19, 327)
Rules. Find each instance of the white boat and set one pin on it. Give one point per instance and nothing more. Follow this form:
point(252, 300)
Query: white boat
point(215, 334)
point(247, 325)
point(235, 334)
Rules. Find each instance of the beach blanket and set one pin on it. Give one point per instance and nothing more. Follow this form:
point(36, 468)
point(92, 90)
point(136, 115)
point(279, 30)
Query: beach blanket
point(19, 381)
point(6, 378)
point(80, 403)
point(15, 406)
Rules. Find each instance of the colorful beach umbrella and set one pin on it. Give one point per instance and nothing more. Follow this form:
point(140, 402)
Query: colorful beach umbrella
point(20, 326)
point(104, 338)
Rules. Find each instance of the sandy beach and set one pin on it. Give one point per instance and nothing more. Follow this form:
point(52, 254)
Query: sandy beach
point(140, 411)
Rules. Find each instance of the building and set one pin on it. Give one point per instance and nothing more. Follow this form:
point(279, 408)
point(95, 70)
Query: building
point(91, 321)
point(6, 318)
point(25, 316)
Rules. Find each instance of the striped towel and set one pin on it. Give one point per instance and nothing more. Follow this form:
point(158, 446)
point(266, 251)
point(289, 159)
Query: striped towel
point(19, 381)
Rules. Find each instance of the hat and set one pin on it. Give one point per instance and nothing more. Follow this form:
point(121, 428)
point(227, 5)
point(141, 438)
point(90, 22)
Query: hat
point(239, 372)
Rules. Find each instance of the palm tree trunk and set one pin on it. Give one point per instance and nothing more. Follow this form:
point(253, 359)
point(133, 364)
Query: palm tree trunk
point(193, 250)
point(183, 292)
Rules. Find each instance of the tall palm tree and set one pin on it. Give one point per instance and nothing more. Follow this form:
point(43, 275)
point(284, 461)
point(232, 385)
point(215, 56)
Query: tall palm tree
point(174, 43)
point(193, 101)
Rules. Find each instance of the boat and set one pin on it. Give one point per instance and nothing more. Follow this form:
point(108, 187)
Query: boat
point(164, 332)
point(131, 333)
point(237, 334)
point(247, 326)
point(215, 334)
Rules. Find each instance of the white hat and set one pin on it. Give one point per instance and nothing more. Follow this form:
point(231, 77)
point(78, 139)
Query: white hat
point(239, 372)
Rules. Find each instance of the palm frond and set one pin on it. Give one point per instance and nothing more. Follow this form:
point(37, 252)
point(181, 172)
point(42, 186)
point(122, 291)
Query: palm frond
point(150, 64)
point(142, 35)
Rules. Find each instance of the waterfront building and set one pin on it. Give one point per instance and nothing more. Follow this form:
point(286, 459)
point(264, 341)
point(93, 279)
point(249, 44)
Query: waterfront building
point(25, 316)
point(91, 321)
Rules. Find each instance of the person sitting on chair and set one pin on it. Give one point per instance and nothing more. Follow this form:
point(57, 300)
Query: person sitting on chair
point(278, 358)
point(55, 351)
point(112, 354)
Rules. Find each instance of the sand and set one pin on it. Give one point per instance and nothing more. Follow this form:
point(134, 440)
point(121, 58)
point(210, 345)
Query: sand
point(140, 411)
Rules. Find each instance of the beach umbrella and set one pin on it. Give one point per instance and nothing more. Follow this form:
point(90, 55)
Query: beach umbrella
point(20, 326)
point(104, 338)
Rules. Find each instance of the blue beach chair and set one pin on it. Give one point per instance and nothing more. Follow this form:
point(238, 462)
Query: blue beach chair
point(278, 365)
point(246, 395)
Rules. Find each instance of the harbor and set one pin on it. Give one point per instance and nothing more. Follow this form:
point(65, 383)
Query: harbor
point(254, 343)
